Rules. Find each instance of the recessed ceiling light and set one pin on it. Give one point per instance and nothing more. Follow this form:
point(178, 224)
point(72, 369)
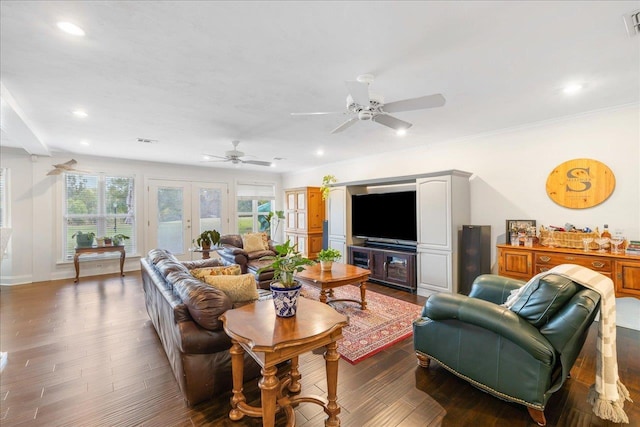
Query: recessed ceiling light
point(572, 88)
point(85, 142)
point(401, 132)
point(80, 113)
point(70, 28)
point(205, 157)
point(319, 153)
point(273, 164)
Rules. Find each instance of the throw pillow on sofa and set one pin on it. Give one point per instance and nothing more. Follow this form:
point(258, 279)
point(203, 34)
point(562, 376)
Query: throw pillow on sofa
point(240, 288)
point(228, 270)
point(252, 242)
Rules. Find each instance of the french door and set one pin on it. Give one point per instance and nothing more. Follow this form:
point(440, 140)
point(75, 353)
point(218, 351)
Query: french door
point(179, 211)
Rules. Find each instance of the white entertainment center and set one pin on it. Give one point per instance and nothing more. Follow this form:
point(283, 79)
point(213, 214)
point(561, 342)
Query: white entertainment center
point(443, 207)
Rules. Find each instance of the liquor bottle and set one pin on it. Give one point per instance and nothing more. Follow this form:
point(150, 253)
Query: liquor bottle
point(607, 234)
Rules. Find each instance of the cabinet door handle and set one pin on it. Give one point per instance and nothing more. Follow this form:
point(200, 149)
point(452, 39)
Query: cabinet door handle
point(384, 266)
point(597, 264)
point(368, 263)
point(570, 258)
point(545, 258)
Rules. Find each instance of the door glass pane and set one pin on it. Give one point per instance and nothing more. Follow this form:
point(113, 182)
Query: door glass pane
point(301, 201)
point(170, 218)
point(397, 268)
point(210, 209)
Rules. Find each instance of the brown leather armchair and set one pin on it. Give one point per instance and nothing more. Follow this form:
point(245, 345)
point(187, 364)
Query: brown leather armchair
point(232, 252)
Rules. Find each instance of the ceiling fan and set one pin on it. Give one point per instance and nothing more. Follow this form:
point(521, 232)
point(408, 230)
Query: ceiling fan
point(364, 105)
point(234, 156)
point(65, 167)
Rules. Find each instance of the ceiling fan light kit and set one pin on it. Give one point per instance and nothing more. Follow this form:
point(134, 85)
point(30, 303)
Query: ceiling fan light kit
point(363, 105)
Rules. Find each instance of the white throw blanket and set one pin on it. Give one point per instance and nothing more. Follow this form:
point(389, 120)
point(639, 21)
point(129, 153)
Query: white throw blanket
point(608, 394)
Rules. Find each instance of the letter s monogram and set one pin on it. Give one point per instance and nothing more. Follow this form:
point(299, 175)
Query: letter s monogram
point(574, 176)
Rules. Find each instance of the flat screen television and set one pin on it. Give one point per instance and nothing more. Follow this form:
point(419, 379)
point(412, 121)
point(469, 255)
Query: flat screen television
point(384, 216)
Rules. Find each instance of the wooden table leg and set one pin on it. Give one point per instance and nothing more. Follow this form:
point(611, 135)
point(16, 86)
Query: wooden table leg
point(237, 370)
point(268, 393)
point(122, 255)
point(294, 373)
point(76, 264)
point(323, 296)
point(331, 358)
point(363, 298)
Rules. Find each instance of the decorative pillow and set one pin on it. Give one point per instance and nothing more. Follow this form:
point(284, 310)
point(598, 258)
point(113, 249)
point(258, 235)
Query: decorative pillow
point(542, 302)
point(252, 242)
point(238, 288)
point(227, 270)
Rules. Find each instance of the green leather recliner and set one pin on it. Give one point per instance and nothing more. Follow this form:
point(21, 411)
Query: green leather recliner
point(523, 354)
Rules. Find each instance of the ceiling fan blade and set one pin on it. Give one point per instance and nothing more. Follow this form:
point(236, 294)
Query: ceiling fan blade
point(359, 92)
point(345, 125)
point(66, 165)
point(429, 101)
point(55, 172)
point(319, 113)
point(256, 162)
point(392, 122)
point(215, 157)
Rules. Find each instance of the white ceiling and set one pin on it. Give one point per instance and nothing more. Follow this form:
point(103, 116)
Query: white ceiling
point(195, 75)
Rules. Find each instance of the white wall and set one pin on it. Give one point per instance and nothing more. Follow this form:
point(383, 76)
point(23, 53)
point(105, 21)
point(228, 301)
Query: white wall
point(36, 211)
point(510, 171)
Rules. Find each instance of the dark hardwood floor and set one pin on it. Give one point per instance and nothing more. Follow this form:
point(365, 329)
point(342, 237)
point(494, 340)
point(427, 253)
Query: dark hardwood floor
point(87, 355)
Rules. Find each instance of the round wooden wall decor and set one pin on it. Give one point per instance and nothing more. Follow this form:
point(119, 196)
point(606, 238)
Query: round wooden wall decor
point(580, 183)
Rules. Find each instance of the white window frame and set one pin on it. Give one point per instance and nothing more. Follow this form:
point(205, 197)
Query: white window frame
point(254, 191)
point(101, 216)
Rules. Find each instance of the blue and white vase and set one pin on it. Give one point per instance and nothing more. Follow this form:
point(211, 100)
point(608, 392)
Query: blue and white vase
point(285, 300)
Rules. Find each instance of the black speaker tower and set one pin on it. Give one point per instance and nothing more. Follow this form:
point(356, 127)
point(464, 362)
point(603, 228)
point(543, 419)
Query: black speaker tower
point(475, 255)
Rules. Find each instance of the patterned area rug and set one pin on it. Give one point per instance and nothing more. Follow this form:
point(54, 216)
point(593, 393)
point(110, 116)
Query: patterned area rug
point(385, 321)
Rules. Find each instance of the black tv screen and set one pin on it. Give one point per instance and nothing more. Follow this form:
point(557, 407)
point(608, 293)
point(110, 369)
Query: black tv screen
point(384, 216)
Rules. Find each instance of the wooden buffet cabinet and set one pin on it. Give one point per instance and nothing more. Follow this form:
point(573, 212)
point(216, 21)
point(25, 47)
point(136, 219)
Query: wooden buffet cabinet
point(304, 216)
point(522, 263)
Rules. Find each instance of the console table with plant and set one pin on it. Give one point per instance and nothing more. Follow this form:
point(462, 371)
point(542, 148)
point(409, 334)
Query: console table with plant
point(97, 250)
point(208, 241)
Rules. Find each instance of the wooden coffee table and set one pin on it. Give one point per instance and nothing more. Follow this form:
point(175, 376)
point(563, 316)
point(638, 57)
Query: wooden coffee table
point(270, 340)
point(340, 275)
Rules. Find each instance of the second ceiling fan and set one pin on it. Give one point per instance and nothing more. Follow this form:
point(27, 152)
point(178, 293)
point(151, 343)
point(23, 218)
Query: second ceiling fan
point(363, 105)
point(235, 157)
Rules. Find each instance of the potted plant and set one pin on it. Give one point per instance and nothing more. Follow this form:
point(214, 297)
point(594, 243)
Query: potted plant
point(119, 239)
point(285, 289)
point(327, 180)
point(208, 238)
point(84, 240)
point(327, 257)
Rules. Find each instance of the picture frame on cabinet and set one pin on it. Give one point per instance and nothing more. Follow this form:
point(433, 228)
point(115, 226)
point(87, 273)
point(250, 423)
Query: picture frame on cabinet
point(519, 226)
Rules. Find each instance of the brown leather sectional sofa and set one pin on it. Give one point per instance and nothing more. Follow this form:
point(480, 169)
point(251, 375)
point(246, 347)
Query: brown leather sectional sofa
point(185, 312)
